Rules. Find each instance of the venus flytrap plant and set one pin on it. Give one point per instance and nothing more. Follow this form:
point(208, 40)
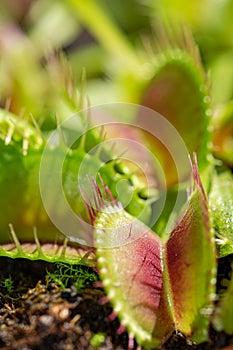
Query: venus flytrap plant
point(156, 287)
point(180, 79)
point(164, 316)
point(156, 284)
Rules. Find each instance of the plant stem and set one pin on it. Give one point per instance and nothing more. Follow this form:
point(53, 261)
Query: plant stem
point(107, 33)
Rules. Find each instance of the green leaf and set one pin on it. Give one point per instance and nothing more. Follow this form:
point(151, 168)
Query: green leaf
point(221, 203)
point(130, 265)
point(223, 133)
point(178, 92)
point(223, 315)
point(222, 70)
point(190, 264)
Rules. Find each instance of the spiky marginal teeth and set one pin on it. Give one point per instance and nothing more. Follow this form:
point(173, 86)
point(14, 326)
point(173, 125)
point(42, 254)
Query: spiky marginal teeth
point(9, 135)
point(104, 300)
point(131, 341)
point(121, 329)
point(111, 294)
point(101, 200)
point(107, 282)
point(117, 307)
point(126, 268)
point(15, 239)
point(98, 284)
point(50, 252)
point(103, 271)
point(102, 260)
point(112, 316)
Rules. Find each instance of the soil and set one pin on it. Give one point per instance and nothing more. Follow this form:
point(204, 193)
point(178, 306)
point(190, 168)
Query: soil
point(36, 314)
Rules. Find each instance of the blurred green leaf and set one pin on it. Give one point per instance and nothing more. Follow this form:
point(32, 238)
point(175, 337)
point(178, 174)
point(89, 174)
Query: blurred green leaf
point(223, 314)
point(221, 204)
point(222, 124)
